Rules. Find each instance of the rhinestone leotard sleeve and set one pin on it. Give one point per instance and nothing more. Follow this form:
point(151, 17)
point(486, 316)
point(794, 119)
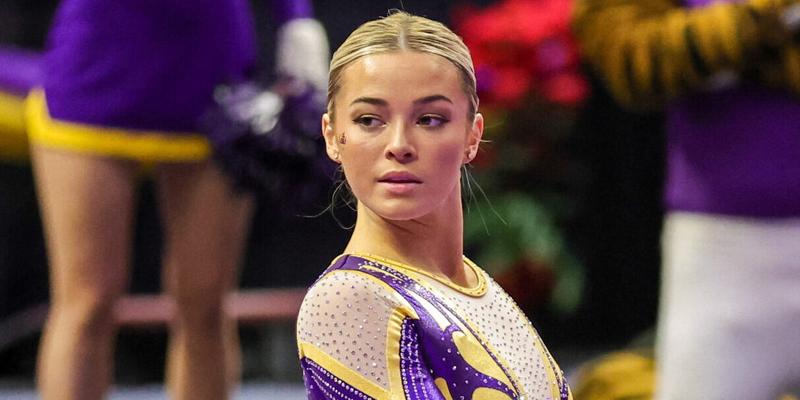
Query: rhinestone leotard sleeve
point(349, 333)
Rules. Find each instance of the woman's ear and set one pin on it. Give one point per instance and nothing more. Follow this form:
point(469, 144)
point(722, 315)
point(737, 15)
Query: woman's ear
point(331, 145)
point(474, 138)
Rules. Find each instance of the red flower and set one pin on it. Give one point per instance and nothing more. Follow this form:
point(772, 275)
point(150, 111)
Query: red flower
point(568, 88)
point(518, 46)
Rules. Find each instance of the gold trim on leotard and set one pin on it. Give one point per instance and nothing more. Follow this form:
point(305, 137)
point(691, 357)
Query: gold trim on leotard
point(476, 291)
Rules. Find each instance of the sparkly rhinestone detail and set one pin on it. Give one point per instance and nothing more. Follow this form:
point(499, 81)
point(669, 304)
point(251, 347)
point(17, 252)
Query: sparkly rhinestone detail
point(478, 290)
point(346, 315)
point(322, 384)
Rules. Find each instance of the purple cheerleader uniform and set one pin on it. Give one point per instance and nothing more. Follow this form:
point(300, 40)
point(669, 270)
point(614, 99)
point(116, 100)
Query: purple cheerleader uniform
point(145, 64)
point(132, 78)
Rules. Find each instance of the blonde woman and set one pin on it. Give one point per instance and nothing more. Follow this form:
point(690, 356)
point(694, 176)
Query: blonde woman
point(402, 314)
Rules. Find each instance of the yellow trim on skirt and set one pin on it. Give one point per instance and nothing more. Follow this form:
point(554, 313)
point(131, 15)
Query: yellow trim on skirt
point(144, 146)
point(13, 137)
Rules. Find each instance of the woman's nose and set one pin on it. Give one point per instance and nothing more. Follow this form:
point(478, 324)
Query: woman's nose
point(400, 146)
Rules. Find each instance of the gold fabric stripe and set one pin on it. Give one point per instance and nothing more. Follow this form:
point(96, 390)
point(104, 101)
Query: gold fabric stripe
point(393, 335)
point(477, 291)
point(352, 378)
point(13, 136)
point(145, 146)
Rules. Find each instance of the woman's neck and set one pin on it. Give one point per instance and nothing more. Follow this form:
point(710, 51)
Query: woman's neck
point(433, 242)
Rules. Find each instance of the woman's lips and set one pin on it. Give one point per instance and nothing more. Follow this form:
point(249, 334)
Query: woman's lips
point(399, 182)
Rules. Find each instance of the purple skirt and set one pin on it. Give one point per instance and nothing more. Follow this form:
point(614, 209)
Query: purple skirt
point(144, 64)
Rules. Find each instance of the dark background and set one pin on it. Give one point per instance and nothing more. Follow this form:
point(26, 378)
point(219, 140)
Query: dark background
point(615, 232)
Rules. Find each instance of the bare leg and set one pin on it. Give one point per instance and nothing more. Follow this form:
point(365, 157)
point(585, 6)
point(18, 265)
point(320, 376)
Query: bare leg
point(206, 227)
point(86, 204)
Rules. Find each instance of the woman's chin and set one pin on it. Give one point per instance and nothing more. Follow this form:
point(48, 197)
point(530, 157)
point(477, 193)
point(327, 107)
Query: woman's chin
point(400, 215)
point(400, 211)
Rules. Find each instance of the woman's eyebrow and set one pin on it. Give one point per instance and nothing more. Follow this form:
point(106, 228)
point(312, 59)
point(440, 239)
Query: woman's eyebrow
point(370, 100)
point(383, 103)
point(432, 99)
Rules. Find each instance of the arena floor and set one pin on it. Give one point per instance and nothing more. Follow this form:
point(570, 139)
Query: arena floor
point(156, 392)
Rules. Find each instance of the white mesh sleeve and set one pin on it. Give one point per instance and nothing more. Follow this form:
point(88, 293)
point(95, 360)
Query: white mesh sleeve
point(345, 315)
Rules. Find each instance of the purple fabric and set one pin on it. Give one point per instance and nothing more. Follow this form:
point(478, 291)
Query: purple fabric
point(287, 10)
point(418, 383)
point(20, 70)
point(321, 384)
point(734, 151)
point(270, 144)
point(145, 64)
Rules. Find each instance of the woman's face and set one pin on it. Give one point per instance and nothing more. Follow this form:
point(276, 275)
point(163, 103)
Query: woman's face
point(401, 132)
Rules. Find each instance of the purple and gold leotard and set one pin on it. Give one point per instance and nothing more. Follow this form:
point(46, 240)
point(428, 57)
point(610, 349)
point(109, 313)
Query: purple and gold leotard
point(372, 328)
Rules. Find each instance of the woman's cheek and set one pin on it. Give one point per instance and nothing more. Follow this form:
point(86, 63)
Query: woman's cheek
point(356, 172)
point(451, 158)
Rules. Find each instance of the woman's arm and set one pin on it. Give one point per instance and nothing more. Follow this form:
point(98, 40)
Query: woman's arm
point(351, 332)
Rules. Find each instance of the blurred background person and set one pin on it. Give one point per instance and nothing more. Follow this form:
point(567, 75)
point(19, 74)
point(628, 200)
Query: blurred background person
point(126, 84)
point(727, 75)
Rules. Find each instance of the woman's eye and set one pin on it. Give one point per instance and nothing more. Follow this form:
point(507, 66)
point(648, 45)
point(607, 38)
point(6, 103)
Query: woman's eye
point(368, 121)
point(432, 121)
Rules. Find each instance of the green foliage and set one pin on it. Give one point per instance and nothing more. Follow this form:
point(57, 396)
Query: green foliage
point(515, 227)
